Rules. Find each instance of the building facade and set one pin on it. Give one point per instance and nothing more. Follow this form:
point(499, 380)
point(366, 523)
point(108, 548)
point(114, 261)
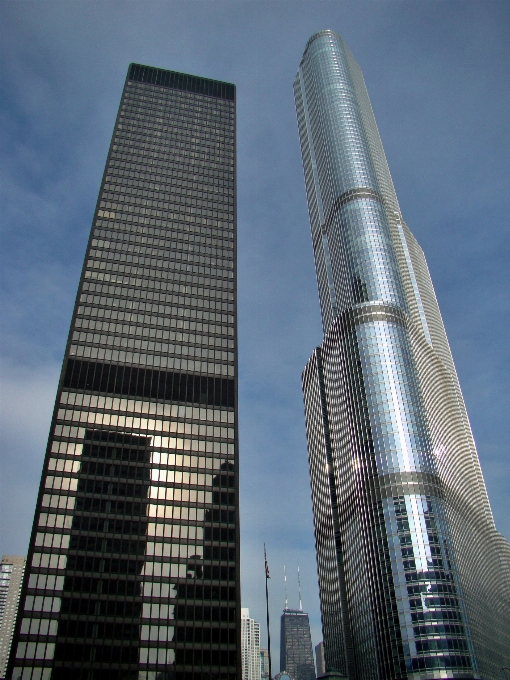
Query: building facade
point(320, 660)
point(250, 646)
point(133, 568)
point(296, 652)
point(264, 664)
point(12, 568)
point(414, 578)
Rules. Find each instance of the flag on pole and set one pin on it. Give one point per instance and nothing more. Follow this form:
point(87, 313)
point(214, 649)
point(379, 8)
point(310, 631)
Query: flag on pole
point(265, 562)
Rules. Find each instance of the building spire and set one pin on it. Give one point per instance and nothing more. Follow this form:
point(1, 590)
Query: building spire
point(285, 582)
point(299, 588)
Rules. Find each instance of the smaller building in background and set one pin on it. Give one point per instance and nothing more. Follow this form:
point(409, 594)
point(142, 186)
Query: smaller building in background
point(11, 577)
point(250, 646)
point(296, 653)
point(320, 661)
point(264, 664)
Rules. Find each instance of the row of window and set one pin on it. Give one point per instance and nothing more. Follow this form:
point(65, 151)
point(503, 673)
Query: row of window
point(179, 274)
point(164, 361)
point(181, 568)
point(137, 98)
point(200, 154)
point(209, 235)
point(174, 124)
point(170, 134)
point(180, 412)
point(159, 334)
point(220, 189)
point(146, 321)
point(121, 525)
point(174, 250)
point(159, 161)
point(174, 280)
point(137, 234)
point(174, 201)
point(224, 304)
point(178, 260)
point(167, 181)
point(176, 113)
point(137, 305)
point(151, 425)
point(154, 168)
point(168, 350)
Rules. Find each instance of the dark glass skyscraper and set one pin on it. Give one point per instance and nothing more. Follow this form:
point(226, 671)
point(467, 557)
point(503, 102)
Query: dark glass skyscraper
point(414, 578)
point(133, 567)
point(296, 653)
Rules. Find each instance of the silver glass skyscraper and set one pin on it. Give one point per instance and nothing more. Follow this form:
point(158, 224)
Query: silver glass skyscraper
point(414, 578)
point(133, 565)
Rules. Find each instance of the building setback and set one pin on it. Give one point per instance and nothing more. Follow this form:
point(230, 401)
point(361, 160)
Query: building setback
point(250, 646)
point(11, 577)
point(134, 556)
point(296, 653)
point(413, 576)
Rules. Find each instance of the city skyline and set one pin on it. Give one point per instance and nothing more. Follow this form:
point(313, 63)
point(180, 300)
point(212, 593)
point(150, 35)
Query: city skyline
point(471, 206)
point(408, 557)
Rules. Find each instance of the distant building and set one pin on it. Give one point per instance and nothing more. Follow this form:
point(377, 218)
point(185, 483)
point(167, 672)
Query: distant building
point(264, 664)
point(11, 576)
point(250, 646)
point(296, 653)
point(320, 661)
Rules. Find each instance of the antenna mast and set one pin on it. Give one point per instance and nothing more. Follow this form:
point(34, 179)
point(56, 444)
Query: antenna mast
point(299, 586)
point(285, 581)
point(266, 567)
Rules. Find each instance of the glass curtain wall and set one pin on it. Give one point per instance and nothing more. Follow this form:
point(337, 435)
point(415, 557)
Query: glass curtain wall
point(133, 568)
point(398, 496)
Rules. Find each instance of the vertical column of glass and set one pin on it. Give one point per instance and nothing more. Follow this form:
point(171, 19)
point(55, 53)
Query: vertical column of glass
point(383, 378)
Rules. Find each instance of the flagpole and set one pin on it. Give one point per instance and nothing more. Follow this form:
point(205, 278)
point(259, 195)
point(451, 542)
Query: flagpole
point(267, 613)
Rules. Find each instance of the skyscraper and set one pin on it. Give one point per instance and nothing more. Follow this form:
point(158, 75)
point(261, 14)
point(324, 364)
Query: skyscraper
point(320, 661)
point(11, 576)
point(250, 646)
point(296, 653)
point(414, 578)
point(264, 664)
point(134, 556)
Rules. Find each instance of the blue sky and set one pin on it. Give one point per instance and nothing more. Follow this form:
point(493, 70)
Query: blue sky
point(437, 75)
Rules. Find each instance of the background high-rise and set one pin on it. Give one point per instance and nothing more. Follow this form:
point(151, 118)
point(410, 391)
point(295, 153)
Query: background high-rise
point(250, 647)
point(296, 653)
point(12, 568)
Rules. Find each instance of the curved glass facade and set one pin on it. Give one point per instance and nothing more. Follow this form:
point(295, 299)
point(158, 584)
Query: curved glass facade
point(394, 567)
